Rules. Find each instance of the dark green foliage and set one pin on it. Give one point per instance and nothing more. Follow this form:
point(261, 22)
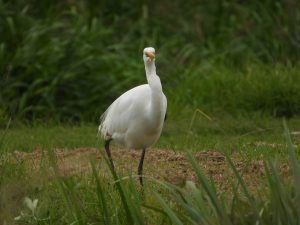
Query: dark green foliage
point(253, 88)
point(67, 60)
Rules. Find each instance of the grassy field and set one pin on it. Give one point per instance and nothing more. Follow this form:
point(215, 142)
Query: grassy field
point(191, 131)
point(71, 192)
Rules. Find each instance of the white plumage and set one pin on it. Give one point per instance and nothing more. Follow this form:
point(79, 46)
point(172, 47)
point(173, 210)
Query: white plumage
point(135, 119)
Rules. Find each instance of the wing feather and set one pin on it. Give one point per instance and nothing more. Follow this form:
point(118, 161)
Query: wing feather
point(115, 119)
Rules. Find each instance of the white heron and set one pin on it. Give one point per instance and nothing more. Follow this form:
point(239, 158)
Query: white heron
point(135, 119)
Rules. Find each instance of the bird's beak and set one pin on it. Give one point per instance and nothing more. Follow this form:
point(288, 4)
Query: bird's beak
point(151, 55)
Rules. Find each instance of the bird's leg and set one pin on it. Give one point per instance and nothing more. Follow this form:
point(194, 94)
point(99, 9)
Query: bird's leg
point(106, 146)
point(140, 169)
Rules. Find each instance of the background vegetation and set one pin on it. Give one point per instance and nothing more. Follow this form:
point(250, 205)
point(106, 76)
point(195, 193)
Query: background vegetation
point(68, 60)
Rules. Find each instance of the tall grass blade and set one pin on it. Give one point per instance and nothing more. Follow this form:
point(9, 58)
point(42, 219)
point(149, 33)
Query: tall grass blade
point(121, 189)
point(282, 198)
point(295, 168)
point(103, 201)
point(134, 201)
point(221, 211)
point(191, 199)
point(172, 215)
point(245, 189)
point(71, 203)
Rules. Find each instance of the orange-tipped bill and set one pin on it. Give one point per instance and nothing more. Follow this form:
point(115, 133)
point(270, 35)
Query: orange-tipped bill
point(151, 55)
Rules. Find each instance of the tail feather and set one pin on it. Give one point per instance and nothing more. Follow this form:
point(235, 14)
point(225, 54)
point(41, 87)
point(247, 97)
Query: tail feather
point(103, 126)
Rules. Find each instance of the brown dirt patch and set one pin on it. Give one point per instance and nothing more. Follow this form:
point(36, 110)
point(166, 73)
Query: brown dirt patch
point(159, 164)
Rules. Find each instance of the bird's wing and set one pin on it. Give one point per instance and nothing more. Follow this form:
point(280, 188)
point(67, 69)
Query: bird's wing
point(116, 118)
point(166, 105)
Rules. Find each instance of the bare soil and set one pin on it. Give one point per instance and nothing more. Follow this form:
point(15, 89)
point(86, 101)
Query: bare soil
point(159, 164)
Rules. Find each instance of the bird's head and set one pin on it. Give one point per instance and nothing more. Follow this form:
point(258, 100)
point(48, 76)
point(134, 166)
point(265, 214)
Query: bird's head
point(149, 54)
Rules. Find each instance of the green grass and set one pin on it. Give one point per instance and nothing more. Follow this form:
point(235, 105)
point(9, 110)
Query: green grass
point(254, 88)
point(29, 138)
point(188, 131)
point(95, 197)
point(227, 134)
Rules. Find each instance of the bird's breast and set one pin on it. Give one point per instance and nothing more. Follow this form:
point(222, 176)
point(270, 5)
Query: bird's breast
point(142, 137)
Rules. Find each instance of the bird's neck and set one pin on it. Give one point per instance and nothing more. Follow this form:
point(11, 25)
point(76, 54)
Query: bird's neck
point(156, 92)
point(152, 78)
